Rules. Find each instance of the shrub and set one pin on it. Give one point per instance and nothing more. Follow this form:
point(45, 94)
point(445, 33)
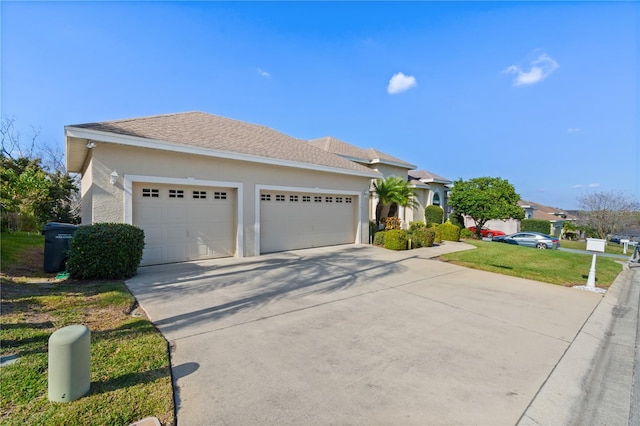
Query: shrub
point(465, 233)
point(536, 225)
point(433, 214)
point(450, 232)
point(438, 234)
point(105, 251)
point(396, 239)
point(378, 238)
point(391, 223)
point(417, 224)
point(422, 237)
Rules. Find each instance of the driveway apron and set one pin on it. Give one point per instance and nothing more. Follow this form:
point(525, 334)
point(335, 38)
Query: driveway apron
point(356, 335)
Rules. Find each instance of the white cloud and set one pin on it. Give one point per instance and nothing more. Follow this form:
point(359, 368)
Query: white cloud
point(573, 129)
point(539, 69)
point(263, 73)
point(400, 83)
point(591, 185)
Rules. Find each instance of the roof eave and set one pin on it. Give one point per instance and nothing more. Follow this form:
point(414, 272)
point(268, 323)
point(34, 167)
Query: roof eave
point(136, 141)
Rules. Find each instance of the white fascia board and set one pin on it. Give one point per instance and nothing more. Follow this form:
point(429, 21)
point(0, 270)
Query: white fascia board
point(419, 185)
point(394, 163)
point(139, 142)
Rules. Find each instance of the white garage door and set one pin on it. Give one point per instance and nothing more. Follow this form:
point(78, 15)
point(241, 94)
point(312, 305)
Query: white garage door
point(184, 222)
point(295, 220)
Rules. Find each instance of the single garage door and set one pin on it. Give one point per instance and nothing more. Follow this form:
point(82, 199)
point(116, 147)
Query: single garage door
point(185, 222)
point(295, 220)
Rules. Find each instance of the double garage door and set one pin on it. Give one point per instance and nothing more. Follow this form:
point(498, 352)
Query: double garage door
point(185, 222)
point(296, 220)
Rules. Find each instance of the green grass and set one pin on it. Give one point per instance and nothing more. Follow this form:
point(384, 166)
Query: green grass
point(15, 243)
point(551, 266)
point(130, 376)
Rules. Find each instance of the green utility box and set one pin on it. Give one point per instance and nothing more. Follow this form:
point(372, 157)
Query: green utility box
point(69, 363)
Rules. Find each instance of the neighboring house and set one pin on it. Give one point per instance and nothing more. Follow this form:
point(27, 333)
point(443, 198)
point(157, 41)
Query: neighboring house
point(204, 186)
point(428, 187)
point(555, 216)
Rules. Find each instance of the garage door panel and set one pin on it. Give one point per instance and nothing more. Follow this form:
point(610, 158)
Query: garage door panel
point(295, 223)
point(185, 222)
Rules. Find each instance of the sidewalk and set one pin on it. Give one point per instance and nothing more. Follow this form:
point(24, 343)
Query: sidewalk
point(593, 382)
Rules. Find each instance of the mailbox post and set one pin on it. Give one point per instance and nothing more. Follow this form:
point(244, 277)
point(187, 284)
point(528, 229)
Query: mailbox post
point(595, 246)
point(625, 245)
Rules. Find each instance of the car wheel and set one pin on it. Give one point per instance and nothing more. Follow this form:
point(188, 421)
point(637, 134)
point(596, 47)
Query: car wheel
point(541, 246)
point(489, 235)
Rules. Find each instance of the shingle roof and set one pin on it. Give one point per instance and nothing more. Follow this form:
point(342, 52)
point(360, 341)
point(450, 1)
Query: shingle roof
point(224, 134)
point(545, 212)
point(428, 176)
point(368, 156)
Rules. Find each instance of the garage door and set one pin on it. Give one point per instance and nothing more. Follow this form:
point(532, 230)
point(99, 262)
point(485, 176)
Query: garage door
point(185, 222)
point(295, 220)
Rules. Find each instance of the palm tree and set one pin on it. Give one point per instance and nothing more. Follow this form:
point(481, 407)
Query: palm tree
point(393, 191)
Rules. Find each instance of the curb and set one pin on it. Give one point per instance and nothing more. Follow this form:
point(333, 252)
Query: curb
point(592, 382)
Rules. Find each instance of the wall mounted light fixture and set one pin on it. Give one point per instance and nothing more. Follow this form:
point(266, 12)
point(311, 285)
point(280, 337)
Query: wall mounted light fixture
point(113, 177)
point(91, 144)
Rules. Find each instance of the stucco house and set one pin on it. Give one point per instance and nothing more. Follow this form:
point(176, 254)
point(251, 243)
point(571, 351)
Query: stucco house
point(428, 187)
point(204, 186)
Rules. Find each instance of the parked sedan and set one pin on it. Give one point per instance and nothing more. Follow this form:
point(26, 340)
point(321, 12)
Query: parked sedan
point(486, 232)
point(530, 239)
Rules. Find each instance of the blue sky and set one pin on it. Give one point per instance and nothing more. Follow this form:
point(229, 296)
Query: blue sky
point(544, 94)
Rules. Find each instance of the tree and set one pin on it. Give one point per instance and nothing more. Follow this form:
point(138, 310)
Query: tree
point(393, 191)
point(31, 193)
point(484, 199)
point(608, 212)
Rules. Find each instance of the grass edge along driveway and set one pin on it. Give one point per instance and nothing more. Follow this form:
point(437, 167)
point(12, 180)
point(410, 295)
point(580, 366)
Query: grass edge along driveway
point(130, 375)
point(549, 266)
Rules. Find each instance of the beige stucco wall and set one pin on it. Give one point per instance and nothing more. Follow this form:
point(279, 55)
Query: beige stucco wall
point(388, 170)
point(107, 201)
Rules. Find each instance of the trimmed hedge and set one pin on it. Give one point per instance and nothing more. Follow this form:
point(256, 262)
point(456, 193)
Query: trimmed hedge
point(438, 233)
point(105, 251)
point(378, 238)
point(396, 239)
point(465, 233)
point(416, 224)
point(535, 225)
point(422, 237)
point(433, 214)
point(449, 231)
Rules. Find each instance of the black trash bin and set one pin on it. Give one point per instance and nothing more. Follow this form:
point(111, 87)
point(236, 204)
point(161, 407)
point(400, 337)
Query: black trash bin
point(56, 245)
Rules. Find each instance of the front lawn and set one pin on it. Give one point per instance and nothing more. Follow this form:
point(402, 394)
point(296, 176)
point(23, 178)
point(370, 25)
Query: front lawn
point(130, 376)
point(551, 266)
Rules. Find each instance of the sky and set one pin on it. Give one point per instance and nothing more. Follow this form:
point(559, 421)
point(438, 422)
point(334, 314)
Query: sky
point(543, 94)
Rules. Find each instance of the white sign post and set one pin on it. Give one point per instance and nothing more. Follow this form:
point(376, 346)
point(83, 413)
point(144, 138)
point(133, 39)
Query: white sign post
point(625, 246)
point(594, 245)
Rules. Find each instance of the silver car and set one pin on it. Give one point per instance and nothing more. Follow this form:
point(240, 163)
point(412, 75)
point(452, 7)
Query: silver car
point(530, 239)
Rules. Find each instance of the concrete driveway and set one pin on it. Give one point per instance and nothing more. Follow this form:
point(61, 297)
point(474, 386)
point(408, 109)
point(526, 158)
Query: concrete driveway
point(357, 335)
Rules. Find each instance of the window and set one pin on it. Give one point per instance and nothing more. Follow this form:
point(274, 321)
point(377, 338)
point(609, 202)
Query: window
point(306, 198)
point(329, 199)
point(176, 193)
point(265, 197)
point(338, 199)
point(279, 197)
point(152, 193)
point(219, 195)
point(293, 198)
point(200, 195)
point(347, 200)
point(317, 199)
point(436, 199)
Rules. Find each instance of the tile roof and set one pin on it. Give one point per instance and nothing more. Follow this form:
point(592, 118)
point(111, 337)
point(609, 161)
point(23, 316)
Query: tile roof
point(427, 176)
point(224, 134)
point(547, 213)
point(368, 156)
